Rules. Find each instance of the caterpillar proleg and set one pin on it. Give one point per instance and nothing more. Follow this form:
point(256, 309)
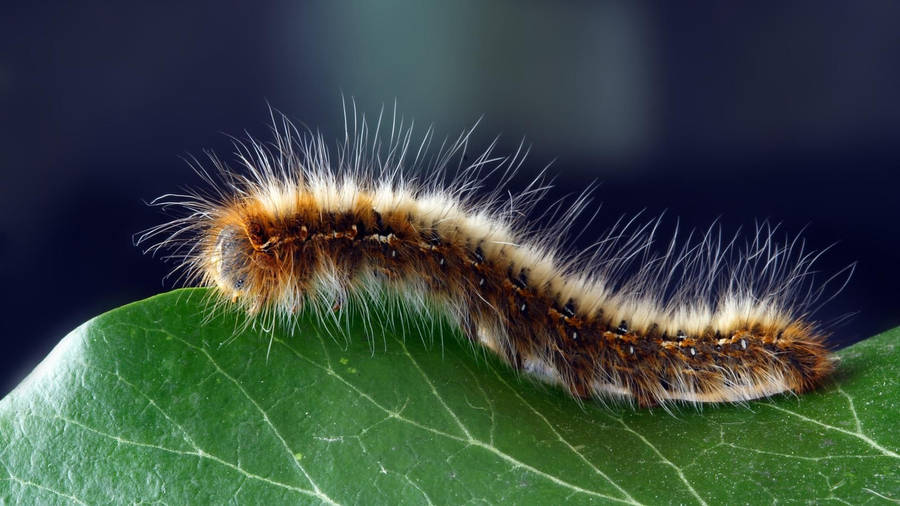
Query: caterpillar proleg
point(304, 227)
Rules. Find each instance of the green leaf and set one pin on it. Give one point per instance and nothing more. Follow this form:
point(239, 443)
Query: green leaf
point(146, 404)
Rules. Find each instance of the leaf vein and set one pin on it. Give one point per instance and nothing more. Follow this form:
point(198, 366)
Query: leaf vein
point(199, 453)
point(664, 460)
point(564, 440)
point(266, 419)
point(862, 437)
point(13, 477)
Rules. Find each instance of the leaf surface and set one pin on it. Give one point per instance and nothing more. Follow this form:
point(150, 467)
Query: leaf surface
point(149, 403)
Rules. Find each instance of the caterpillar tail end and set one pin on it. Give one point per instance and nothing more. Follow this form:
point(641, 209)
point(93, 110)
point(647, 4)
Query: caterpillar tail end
point(749, 368)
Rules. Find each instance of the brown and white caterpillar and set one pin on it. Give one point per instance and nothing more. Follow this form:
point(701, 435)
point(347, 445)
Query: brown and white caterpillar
point(303, 228)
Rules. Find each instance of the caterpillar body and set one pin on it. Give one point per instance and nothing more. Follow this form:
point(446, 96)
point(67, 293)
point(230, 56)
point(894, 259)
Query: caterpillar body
point(304, 228)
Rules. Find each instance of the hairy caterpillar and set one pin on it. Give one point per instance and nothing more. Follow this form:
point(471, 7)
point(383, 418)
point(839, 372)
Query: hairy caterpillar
point(303, 228)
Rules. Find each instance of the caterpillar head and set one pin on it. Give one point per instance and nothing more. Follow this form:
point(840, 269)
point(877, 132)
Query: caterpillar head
point(250, 264)
point(230, 261)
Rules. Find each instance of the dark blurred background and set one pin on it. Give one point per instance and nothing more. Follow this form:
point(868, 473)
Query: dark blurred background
point(787, 111)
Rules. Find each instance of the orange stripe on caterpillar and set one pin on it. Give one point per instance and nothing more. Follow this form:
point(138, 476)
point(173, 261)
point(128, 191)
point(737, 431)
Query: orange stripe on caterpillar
point(302, 228)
